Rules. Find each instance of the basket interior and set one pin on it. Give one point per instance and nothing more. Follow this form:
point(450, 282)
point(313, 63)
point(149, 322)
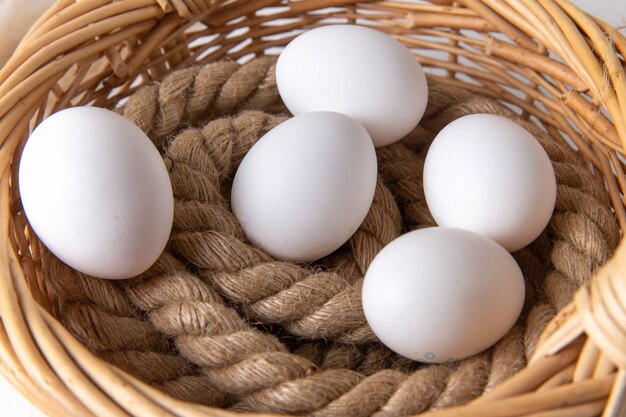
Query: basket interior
point(133, 43)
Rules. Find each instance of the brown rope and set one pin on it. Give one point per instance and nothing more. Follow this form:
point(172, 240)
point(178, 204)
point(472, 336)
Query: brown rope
point(196, 93)
point(271, 291)
point(101, 316)
point(253, 369)
point(217, 252)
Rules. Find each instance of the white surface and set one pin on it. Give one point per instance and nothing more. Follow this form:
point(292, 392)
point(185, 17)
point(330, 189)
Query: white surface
point(16, 16)
point(428, 294)
point(13, 404)
point(611, 11)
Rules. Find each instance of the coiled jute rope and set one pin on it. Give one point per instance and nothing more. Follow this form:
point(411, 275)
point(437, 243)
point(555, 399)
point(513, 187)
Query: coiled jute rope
point(219, 321)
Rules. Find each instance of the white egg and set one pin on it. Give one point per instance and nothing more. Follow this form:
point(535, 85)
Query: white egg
point(96, 192)
point(357, 71)
point(442, 294)
point(488, 174)
point(305, 187)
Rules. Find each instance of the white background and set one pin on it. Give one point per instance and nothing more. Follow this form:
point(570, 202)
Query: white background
point(11, 402)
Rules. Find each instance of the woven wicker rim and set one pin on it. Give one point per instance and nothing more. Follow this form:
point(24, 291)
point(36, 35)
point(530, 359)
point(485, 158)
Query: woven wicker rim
point(558, 66)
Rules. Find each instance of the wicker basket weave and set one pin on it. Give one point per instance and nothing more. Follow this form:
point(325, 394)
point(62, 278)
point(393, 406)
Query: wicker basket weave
point(559, 67)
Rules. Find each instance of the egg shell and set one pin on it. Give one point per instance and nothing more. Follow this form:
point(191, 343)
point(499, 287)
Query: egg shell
point(96, 192)
point(357, 71)
point(488, 174)
point(305, 187)
point(442, 294)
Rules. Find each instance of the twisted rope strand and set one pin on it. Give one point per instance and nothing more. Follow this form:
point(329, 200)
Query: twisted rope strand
point(100, 315)
point(255, 370)
point(271, 291)
point(196, 93)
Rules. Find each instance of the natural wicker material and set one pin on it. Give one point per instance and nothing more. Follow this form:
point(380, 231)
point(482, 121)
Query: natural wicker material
point(112, 43)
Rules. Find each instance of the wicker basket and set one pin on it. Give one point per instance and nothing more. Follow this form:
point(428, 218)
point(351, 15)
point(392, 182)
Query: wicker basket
point(557, 66)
